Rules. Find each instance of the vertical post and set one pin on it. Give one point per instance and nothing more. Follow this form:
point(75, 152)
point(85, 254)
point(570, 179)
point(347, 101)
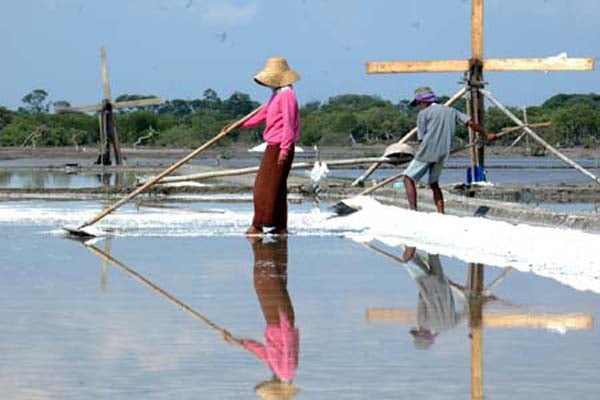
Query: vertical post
point(111, 133)
point(105, 78)
point(477, 29)
point(475, 285)
point(476, 79)
point(104, 156)
point(475, 107)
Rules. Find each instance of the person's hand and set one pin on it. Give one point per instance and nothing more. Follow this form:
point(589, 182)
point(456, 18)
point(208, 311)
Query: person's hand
point(490, 137)
point(281, 159)
point(228, 126)
point(228, 337)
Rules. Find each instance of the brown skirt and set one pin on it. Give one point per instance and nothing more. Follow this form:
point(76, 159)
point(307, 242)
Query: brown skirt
point(270, 190)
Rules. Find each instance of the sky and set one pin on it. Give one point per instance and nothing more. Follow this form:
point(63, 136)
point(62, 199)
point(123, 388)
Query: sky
point(179, 48)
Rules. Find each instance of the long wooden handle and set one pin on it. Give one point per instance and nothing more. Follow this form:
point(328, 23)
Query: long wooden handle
point(516, 128)
point(382, 183)
point(169, 170)
point(499, 135)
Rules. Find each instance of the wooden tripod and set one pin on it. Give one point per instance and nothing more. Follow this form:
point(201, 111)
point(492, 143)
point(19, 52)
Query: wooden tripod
point(109, 138)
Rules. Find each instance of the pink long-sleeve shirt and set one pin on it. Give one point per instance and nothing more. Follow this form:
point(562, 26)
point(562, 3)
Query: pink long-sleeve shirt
point(282, 122)
point(280, 351)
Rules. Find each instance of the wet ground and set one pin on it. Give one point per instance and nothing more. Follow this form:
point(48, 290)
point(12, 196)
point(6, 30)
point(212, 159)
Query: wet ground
point(76, 326)
point(178, 304)
point(145, 315)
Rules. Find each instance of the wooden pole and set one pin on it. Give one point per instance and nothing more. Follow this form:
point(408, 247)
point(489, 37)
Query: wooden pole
point(477, 107)
point(111, 133)
point(103, 142)
point(477, 29)
point(165, 295)
point(166, 172)
point(475, 286)
point(538, 139)
point(404, 139)
point(251, 170)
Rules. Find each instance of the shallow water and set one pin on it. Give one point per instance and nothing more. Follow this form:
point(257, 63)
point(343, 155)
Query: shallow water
point(500, 176)
point(77, 326)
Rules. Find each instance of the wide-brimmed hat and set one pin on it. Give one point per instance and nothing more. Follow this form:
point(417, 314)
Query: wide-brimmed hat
point(276, 73)
point(399, 153)
point(423, 339)
point(425, 94)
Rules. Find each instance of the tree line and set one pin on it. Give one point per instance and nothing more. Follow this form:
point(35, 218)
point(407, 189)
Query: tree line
point(347, 119)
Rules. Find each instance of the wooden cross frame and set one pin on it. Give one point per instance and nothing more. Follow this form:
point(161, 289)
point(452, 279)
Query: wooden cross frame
point(108, 131)
point(475, 67)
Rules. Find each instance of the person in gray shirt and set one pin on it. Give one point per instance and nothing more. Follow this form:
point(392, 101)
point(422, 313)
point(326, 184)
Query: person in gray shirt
point(436, 125)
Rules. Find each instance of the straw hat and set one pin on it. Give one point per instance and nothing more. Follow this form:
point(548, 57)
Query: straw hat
point(276, 73)
point(276, 390)
point(399, 152)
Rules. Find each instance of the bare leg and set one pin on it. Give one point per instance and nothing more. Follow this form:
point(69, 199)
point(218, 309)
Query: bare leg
point(438, 197)
point(411, 192)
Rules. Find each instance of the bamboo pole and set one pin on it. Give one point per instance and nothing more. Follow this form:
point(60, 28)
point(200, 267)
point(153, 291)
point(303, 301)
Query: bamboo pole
point(224, 132)
point(404, 139)
point(538, 139)
point(251, 170)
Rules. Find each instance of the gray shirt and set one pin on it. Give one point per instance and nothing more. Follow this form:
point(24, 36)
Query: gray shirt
point(436, 310)
point(436, 126)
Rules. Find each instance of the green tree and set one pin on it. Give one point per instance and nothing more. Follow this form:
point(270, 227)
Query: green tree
point(577, 123)
point(6, 117)
point(239, 104)
point(35, 102)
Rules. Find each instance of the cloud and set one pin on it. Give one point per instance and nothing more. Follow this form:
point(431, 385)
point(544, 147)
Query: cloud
point(227, 13)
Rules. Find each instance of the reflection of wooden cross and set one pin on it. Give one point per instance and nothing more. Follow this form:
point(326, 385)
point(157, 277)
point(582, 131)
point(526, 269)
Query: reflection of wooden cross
point(108, 130)
point(477, 295)
point(475, 67)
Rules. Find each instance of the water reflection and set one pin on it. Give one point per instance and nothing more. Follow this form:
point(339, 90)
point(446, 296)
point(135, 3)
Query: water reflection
point(63, 178)
point(281, 338)
point(436, 309)
point(280, 349)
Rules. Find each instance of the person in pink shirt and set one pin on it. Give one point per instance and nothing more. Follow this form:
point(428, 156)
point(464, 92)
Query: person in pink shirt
point(282, 130)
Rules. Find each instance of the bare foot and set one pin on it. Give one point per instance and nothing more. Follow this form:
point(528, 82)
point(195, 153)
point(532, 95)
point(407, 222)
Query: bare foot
point(278, 231)
point(254, 231)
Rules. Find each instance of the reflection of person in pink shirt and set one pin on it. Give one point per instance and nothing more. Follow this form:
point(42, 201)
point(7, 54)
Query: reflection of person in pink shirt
point(282, 131)
point(281, 338)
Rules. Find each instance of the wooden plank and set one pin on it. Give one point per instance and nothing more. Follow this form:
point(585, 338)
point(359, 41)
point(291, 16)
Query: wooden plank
point(138, 103)
point(539, 64)
point(492, 64)
point(251, 170)
point(82, 109)
point(395, 67)
point(494, 319)
point(477, 29)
